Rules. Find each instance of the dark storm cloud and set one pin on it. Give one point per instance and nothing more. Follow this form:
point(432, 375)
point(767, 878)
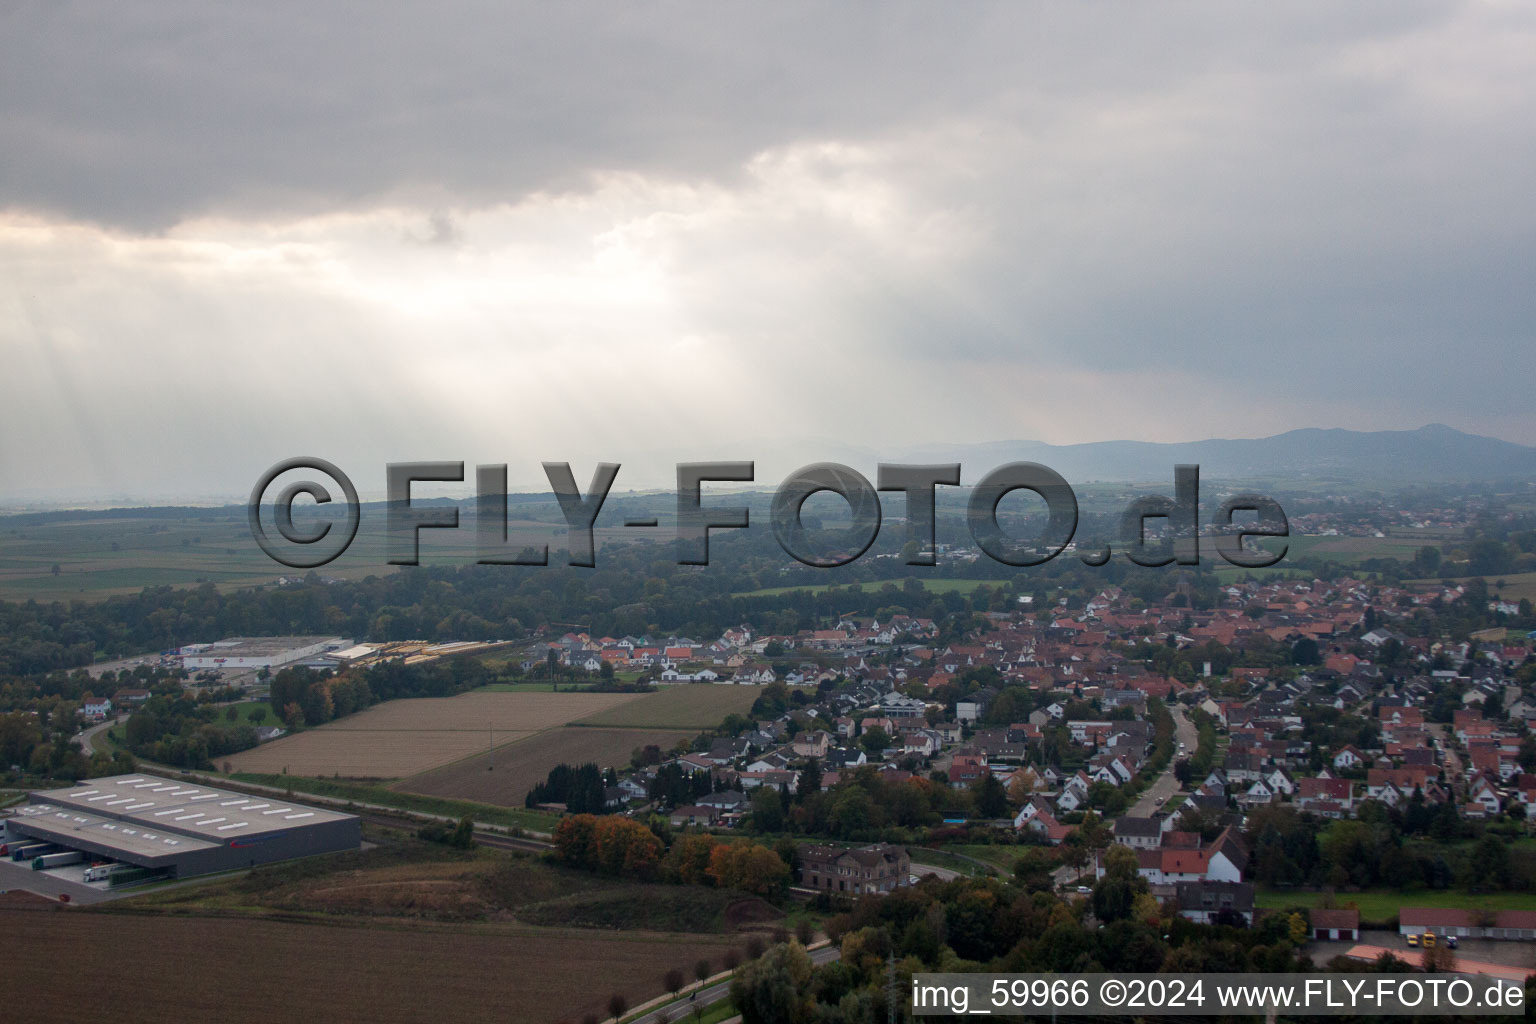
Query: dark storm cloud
point(142, 114)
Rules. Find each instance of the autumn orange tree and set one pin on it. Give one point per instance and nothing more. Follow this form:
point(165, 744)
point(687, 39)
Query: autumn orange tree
point(748, 867)
point(611, 844)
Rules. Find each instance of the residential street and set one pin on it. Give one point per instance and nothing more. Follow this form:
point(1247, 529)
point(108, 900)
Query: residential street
point(1166, 785)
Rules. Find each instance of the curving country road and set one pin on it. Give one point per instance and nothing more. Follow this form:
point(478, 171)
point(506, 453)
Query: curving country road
point(88, 736)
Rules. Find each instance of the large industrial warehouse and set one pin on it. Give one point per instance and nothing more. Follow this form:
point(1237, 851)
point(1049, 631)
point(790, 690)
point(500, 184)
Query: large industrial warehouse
point(178, 828)
point(244, 652)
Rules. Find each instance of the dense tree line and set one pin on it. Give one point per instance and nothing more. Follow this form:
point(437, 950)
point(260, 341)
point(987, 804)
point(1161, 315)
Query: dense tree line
point(1414, 846)
point(989, 925)
point(186, 733)
point(616, 845)
point(580, 789)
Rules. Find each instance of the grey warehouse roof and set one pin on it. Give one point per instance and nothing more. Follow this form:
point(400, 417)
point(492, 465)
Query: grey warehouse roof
point(165, 805)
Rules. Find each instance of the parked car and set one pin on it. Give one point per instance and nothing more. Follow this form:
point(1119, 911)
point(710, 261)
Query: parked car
point(1413, 940)
point(1429, 940)
point(1450, 940)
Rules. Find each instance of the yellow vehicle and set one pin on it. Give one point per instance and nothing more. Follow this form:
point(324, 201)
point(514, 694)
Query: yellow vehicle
point(1428, 940)
point(1413, 940)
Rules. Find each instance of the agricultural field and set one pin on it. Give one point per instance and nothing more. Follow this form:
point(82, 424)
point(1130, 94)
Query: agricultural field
point(152, 968)
point(505, 775)
point(1349, 550)
point(1516, 585)
point(121, 551)
point(689, 706)
point(401, 738)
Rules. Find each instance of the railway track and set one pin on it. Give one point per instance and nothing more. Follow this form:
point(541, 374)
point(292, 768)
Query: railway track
point(495, 840)
point(380, 816)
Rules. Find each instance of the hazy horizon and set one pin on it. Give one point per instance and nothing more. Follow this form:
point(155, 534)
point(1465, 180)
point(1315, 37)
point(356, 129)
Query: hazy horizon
point(650, 472)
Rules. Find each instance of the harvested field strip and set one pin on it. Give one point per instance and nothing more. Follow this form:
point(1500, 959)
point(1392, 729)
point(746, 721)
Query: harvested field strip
point(401, 738)
point(483, 710)
point(239, 969)
point(363, 754)
point(688, 706)
point(505, 776)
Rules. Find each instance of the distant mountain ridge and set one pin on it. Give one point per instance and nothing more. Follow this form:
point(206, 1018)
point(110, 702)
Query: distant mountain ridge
point(1434, 453)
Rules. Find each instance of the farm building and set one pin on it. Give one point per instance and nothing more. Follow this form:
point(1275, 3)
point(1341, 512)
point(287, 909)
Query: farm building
point(1468, 924)
point(1334, 925)
point(179, 829)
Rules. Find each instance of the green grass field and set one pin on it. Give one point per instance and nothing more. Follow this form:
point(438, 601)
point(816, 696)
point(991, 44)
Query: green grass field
point(528, 688)
point(1381, 904)
point(1002, 857)
point(945, 859)
point(1351, 550)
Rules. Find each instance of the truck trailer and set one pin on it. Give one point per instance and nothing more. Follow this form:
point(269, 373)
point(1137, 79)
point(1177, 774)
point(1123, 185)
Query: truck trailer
point(57, 860)
point(100, 872)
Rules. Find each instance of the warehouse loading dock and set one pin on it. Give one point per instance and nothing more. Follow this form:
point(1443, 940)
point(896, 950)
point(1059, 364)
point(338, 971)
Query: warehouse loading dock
point(176, 828)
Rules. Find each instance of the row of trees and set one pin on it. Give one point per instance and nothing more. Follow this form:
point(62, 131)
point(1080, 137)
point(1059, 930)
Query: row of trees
point(34, 745)
point(580, 789)
point(615, 845)
point(178, 730)
point(1377, 848)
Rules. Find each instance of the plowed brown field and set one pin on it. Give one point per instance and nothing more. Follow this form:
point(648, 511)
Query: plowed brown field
point(156, 969)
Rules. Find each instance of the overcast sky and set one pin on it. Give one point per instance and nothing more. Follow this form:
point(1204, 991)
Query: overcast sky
point(647, 233)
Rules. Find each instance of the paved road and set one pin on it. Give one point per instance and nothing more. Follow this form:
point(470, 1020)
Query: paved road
point(1166, 785)
point(88, 736)
point(1163, 787)
point(717, 991)
point(14, 875)
point(942, 874)
point(1447, 753)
